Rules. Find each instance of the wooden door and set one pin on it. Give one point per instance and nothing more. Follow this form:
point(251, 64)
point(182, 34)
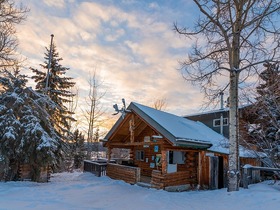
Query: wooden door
point(221, 173)
point(213, 172)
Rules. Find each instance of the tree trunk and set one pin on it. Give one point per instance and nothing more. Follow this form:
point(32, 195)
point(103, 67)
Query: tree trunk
point(233, 170)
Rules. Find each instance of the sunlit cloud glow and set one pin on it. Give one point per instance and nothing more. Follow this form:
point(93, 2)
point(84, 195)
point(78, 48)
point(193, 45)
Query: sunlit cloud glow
point(131, 44)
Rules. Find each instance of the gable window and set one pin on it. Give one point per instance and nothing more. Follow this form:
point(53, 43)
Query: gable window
point(139, 155)
point(217, 122)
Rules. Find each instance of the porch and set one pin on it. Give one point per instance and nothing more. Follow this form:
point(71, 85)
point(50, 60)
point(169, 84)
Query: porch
point(176, 181)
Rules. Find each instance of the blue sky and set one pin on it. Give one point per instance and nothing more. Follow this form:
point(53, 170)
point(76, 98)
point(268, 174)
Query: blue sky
point(131, 44)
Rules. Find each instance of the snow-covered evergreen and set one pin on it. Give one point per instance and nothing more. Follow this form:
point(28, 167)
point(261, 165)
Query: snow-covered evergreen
point(265, 130)
point(58, 88)
point(78, 148)
point(27, 135)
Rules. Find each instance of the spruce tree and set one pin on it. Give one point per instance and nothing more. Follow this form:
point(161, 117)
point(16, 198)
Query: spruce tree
point(10, 151)
point(58, 88)
point(78, 148)
point(266, 128)
point(27, 134)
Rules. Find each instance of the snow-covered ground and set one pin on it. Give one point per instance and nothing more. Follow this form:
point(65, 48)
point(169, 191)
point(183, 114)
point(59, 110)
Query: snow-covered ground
point(85, 191)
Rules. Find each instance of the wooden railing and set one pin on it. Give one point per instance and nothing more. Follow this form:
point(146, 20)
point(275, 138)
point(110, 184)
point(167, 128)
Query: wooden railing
point(129, 174)
point(95, 167)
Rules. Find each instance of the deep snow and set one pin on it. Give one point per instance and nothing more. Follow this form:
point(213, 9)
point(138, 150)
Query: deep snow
point(85, 191)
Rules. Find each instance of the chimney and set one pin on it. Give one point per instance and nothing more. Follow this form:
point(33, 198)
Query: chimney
point(222, 100)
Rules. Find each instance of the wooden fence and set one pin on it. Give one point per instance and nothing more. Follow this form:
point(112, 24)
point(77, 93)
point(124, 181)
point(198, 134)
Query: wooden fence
point(95, 167)
point(248, 173)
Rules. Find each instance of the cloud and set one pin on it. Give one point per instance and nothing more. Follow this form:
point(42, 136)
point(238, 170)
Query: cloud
point(134, 49)
point(153, 5)
point(55, 3)
point(113, 35)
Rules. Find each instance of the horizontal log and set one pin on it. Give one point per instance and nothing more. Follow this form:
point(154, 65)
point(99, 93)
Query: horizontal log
point(161, 181)
point(127, 173)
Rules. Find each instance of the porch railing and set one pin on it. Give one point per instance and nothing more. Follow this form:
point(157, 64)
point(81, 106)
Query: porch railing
point(95, 167)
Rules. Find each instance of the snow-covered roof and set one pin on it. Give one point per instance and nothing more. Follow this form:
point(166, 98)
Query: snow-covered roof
point(181, 131)
point(225, 109)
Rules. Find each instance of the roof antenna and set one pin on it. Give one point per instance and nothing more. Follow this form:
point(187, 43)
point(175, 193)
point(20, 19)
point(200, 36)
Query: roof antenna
point(123, 110)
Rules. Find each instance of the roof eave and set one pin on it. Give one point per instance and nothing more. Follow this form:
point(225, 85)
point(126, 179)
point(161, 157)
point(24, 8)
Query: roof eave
point(192, 144)
point(162, 131)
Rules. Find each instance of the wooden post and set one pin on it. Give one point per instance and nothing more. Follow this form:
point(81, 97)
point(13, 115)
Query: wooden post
point(137, 175)
point(163, 161)
point(109, 154)
point(131, 128)
point(131, 153)
point(245, 178)
point(199, 173)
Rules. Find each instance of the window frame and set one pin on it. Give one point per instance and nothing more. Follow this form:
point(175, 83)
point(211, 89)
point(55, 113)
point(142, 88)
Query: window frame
point(219, 120)
point(139, 155)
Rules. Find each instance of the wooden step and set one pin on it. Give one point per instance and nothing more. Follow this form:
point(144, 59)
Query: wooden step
point(143, 184)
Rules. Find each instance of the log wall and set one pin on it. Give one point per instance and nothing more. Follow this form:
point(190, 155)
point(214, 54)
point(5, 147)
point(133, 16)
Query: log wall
point(126, 173)
point(187, 174)
point(25, 173)
point(160, 181)
point(148, 164)
point(157, 180)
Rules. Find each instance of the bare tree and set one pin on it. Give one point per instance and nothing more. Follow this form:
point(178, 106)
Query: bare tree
point(10, 15)
point(160, 104)
point(95, 111)
point(231, 37)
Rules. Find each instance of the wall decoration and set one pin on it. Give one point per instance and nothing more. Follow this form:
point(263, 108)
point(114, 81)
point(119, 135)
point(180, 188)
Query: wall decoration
point(147, 139)
point(156, 148)
point(158, 160)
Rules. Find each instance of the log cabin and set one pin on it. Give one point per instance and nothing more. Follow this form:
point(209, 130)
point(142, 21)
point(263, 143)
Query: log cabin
point(170, 152)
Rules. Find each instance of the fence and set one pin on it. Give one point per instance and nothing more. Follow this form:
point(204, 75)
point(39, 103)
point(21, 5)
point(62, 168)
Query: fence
point(247, 173)
point(95, 167)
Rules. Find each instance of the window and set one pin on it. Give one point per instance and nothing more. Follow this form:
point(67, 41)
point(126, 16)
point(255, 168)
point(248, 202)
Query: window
point(140, 155)
point(217, 122)
point(176, 157)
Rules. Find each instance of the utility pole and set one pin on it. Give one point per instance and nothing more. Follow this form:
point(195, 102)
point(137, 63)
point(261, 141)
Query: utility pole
point(222, 117)
point(49, 65)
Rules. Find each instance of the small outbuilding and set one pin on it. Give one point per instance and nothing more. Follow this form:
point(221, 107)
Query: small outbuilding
point(170, 152)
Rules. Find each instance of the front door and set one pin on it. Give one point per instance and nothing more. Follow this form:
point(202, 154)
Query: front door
point(221, 173)
point(171, 166)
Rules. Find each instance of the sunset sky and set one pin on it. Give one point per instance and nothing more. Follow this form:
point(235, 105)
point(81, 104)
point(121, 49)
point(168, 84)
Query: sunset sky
point(130, 43)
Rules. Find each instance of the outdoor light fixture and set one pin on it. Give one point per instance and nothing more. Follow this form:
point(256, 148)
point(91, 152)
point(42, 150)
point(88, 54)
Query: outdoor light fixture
point(157, 137)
